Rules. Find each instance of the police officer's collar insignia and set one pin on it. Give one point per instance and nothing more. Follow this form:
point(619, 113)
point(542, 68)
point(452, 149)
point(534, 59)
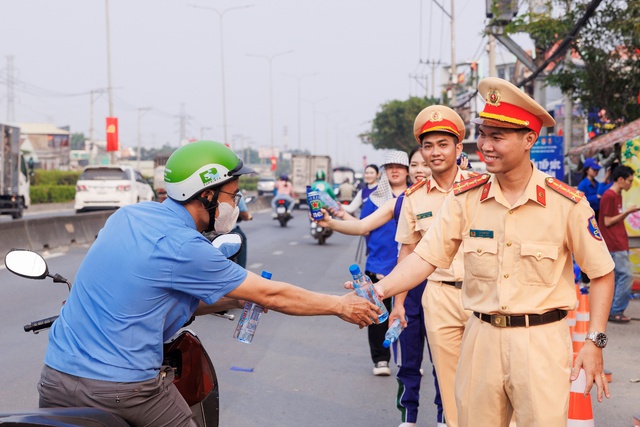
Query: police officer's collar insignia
point(435, 117)
point(566, 190)
point(493, 97)
point(470, 183)
point(409, 191)
point(485, 191)
point(592, 226)
point(541, 195)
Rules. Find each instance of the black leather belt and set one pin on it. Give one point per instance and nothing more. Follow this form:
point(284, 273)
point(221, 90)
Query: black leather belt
point(456, 284)
point(503, 321)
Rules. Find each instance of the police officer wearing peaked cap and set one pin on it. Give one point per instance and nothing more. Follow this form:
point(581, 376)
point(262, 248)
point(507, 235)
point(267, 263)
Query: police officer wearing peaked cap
point(439, 131)
point(518, 229)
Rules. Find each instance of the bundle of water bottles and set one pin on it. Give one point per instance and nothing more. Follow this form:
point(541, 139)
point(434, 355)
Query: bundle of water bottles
point(318, 199)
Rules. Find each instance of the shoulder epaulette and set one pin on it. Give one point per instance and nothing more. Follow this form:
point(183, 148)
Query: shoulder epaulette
point(472, 174)
point(409, 191)
point(468, 184)
point(566, 190)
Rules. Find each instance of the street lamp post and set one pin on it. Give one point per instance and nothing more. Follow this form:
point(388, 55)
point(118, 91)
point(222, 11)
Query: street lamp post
point(224, 95)
point(299, 78)
point(270, 60)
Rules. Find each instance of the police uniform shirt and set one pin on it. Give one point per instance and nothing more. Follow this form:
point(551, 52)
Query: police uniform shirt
point(419, 212)
point(517, 258)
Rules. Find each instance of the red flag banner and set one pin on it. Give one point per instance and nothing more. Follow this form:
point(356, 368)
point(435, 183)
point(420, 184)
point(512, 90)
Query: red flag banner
point(274, 163)
point(112, 134)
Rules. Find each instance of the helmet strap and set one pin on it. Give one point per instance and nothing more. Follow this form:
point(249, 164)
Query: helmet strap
point(210, 207)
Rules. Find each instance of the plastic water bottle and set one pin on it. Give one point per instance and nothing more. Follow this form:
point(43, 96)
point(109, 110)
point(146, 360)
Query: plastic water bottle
point(248, 322)
point(393, 332)
point(315, 204)
point(328, 200)
point(364, 288)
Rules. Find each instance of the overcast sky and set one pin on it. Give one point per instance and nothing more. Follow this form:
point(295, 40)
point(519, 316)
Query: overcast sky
point(352, 56)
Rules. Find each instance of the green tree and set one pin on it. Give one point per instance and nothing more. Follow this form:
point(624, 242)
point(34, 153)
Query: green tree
point(77, 141)
point(392, 127)
point(606, 72)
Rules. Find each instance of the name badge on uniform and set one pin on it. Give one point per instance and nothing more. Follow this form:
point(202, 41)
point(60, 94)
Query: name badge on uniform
point(485, 234)
point(424, 215)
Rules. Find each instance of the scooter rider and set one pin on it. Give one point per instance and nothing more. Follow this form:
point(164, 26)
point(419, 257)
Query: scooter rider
point(321, 184)
point(284, 191)
point(148, 272)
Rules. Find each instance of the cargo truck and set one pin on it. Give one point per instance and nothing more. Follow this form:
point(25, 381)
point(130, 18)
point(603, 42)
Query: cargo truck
point(14, 175)
point(303, 173)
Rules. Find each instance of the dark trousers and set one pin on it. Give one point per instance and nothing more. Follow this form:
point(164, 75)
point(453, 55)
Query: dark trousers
point(376, 332)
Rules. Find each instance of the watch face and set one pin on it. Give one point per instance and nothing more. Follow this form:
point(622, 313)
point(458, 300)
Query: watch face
point(601, 340)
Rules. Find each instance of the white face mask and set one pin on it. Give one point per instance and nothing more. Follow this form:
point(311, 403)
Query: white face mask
point(226, 219)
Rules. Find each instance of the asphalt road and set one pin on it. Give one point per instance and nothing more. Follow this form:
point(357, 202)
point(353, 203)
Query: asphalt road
point(313, 371)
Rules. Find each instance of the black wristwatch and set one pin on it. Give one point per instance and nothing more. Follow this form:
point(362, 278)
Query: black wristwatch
point(598, 338)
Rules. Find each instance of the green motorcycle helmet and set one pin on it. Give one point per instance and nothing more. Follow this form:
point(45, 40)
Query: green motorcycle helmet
point(198, 166)
point(320, 175)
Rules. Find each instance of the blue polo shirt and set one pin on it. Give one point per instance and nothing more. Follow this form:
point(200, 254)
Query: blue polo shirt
point(141, 280)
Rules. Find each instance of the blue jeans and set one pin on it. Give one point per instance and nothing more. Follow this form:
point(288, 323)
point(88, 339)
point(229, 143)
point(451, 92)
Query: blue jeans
point(623, 282)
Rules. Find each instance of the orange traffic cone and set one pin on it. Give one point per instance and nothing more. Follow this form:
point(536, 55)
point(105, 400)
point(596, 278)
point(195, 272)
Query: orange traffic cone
point(580, 411)
point(582, 321)
point(571, 314)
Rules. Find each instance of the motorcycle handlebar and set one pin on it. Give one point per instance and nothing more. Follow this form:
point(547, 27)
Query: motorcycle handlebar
point(38, 325)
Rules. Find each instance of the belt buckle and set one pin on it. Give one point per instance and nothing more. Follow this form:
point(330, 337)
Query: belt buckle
point(499, 320)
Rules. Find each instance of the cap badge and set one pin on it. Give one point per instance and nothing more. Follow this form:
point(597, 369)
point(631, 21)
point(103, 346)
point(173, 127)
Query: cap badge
point(436, 116)
point(493, 97)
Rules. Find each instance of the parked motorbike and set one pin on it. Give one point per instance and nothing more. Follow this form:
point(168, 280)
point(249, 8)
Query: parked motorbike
point(282, 212)
point(321, 234)
point(195, 376)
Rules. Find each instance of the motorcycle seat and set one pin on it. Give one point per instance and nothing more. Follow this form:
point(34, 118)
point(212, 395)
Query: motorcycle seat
point(62, 417)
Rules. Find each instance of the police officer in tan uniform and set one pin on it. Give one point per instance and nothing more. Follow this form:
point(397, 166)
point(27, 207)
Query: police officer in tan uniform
point(439, 130)
point(518, 229)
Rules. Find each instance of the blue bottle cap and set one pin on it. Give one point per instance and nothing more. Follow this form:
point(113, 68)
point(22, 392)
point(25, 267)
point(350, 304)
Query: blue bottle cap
point(354, 269)
point(386, 343)
point(266, 274)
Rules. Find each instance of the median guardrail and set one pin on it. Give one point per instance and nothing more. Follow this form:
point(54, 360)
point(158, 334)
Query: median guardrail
point(47, 233)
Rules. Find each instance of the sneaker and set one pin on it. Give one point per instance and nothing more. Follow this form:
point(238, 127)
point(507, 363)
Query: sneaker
point(381, 369)
point(407, 425)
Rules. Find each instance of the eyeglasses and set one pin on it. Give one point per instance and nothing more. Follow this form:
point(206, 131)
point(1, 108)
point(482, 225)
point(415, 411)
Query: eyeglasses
point(236, 196)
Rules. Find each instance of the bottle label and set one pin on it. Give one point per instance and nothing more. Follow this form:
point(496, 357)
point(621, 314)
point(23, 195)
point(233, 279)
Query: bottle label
point(315, 204)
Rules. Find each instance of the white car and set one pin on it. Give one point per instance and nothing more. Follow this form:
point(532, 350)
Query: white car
point(109, 187)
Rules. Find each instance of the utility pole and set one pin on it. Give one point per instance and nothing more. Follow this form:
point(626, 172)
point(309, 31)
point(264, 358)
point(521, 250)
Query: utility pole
point(11, 116)
point(183, 125)
point(141, 111)
point(491, 48)
point(109, 86)
point(433, 65)
point(454, 69)
point(417, 78)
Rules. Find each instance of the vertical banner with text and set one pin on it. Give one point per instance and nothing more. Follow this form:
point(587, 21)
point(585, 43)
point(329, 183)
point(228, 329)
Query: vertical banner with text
point(112, 134)
point(548, 155)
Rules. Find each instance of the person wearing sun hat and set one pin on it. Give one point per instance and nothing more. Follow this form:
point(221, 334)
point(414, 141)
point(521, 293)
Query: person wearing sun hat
point(439, 131)
point(518, 229)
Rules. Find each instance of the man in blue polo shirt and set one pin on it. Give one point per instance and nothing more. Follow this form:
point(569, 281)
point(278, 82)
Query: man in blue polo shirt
point(148, 272)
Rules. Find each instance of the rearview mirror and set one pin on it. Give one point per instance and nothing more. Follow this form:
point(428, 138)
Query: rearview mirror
point(229, 244)
point(26, 263)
